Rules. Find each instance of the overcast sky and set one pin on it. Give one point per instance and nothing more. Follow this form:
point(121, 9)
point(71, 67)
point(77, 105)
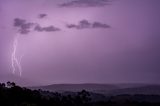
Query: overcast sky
point(82, 41)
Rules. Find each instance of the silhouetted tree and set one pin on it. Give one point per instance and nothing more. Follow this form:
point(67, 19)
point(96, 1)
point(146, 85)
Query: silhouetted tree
point(2, 85)
point(10, 84)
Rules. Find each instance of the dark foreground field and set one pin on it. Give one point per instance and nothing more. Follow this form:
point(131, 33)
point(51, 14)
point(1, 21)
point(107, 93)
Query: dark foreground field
point(13, 95)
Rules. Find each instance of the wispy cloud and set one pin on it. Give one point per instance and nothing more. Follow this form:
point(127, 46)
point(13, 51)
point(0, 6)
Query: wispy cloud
point(100, 25)
point(84, 24)
point(46, 29)
point(81, 25)
point(43, 15)
point(85, 3)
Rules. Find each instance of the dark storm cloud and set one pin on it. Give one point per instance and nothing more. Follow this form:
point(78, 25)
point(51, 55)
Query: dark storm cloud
point(100, 25)
point(85, 3)
point(24, 27)
point(46, 29)
point(24, 31)
point(84, 24)
point(18, 22)
point(38, 28)
point(42, 16)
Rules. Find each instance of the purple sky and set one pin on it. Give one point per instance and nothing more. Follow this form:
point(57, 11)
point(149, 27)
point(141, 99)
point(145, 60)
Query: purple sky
point(83, 41)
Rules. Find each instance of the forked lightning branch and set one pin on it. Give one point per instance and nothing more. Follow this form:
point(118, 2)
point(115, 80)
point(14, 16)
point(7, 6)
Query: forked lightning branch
point(16, 63)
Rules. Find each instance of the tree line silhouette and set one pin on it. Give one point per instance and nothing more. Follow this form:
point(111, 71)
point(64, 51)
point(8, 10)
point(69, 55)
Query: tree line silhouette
point(13, 95)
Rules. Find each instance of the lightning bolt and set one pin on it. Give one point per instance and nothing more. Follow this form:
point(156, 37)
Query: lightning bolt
point(16, 63)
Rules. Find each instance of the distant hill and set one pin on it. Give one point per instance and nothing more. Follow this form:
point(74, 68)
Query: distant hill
point(78, 87)
point(146, 90)
point(106, 89)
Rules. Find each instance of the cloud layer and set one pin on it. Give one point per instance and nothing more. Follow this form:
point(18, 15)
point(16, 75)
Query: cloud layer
point(84, 24)
point(42, 15)
point(24, 27)
point(85, 3)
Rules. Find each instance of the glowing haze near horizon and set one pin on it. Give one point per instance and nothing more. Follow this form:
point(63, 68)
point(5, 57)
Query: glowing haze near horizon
point(92, 41)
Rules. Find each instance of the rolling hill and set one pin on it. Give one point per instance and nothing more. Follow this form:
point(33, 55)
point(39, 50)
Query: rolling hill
point(106, 89)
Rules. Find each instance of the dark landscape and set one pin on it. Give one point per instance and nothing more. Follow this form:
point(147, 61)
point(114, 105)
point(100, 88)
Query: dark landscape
point(79, 52)
point(79, 95)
